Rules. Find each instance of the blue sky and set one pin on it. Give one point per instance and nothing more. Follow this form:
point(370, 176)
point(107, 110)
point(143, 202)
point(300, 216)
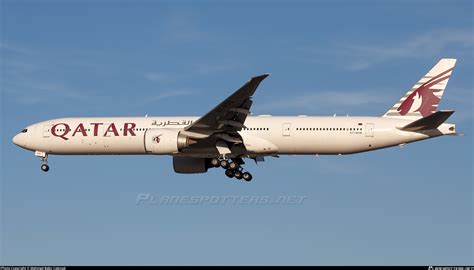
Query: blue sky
point(116, 58)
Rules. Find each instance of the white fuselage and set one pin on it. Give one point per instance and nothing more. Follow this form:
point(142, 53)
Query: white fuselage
point(263, 135)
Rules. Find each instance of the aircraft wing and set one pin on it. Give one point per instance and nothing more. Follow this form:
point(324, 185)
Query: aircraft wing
point(229, 116)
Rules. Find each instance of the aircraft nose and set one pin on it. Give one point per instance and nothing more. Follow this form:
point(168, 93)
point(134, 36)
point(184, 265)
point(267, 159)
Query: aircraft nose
point(16, 139)
point(19, 140)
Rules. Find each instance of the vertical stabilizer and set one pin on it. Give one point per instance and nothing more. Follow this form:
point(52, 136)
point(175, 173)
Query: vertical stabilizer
point(423, 98)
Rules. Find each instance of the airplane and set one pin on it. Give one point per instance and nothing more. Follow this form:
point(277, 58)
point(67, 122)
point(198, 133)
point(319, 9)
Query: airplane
point(228, 133)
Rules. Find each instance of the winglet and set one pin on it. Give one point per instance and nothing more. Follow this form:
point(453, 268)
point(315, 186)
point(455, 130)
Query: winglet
point(260, 77)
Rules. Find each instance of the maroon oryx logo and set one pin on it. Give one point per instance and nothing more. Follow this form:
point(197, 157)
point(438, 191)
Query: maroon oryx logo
point(423, 99)
point(156, 138)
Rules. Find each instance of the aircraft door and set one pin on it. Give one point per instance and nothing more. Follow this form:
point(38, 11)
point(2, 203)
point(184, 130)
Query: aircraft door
point(369, 130)
point(286, 129)
point(46, 131)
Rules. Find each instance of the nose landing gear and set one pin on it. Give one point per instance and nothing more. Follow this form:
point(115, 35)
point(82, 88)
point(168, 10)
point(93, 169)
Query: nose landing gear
point(44, 167)
point(232, 169)
point(44, 159)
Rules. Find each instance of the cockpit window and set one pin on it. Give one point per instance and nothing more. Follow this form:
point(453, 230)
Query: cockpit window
point(24, 130)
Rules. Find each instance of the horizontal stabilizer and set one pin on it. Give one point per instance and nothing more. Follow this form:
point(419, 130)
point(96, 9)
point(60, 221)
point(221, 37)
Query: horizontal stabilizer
point(431, 121)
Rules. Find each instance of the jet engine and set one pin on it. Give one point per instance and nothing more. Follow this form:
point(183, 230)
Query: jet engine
point(165, 141)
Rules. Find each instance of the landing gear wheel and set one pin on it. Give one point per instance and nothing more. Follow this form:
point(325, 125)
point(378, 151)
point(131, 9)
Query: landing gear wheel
point(247, 176)
point(234, 166)
point(224, 164)
point(238, 174)
point(229, 173)
point(215, 162)
point(45, 167)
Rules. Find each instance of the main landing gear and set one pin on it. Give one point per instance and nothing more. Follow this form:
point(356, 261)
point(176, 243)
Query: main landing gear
point(232, 169)
point(44, 159)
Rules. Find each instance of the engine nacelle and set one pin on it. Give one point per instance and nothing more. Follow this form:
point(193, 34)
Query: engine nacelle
point(165, 141)
point(190, 165)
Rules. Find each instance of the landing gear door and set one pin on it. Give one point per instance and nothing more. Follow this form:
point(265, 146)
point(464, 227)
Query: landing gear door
point(286, 129)
point(369, 130)
point(46, 131)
